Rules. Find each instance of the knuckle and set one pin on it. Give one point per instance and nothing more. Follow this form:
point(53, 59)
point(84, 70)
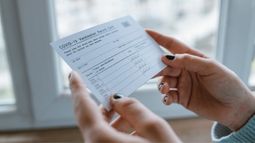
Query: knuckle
point(185, 59)
point(74, 84)
point(185, 56)
point(210, 64)
point(129, 102)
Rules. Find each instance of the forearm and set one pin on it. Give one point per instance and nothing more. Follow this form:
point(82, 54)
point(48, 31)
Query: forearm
point(243, 113)
point(222, 134)
point(246, 127)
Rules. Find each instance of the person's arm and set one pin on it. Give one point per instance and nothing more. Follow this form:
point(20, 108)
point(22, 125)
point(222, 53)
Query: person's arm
point(222, 134)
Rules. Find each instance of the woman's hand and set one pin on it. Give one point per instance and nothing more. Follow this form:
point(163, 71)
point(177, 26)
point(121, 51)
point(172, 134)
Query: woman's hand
point(135, 123)
point(204, 86)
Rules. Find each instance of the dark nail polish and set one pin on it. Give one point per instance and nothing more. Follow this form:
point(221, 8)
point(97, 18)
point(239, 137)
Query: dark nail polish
point(116, 96)
point(165, 99)
point(160, 85)
point(170, 57)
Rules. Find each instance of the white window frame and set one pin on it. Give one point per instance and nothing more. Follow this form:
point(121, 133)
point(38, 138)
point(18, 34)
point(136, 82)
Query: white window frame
point(21, 117)
point(237, 18)
point(29, 26)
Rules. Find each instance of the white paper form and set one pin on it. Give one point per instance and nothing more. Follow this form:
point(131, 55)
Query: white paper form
point(114, 57)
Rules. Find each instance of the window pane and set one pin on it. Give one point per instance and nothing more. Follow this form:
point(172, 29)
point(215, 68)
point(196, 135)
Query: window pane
point(194, 22)
point(252, 75)
point(6, 89)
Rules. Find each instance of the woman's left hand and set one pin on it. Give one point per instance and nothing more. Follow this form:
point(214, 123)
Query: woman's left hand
point(135, 122)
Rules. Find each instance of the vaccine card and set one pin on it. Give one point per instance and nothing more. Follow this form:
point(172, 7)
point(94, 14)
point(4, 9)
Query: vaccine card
point(114, 57)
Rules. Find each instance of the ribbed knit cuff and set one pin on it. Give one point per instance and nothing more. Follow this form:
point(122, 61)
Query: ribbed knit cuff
point(222, 134)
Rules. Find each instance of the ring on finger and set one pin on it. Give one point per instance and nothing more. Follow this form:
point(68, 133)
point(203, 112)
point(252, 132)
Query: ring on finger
point(173, 89)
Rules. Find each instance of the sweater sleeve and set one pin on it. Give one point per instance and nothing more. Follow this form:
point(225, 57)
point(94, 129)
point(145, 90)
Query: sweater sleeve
point(222, 134)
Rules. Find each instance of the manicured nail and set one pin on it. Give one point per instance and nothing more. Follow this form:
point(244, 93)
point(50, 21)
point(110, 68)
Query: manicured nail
point(170, 57)
point(165, 99)
point(160, 85)
point(116, 96)
point(70, 75)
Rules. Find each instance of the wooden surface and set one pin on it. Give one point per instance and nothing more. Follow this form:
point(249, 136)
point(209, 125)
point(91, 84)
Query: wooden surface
point(195, 130)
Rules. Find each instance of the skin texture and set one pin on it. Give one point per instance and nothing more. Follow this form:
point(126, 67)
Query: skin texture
point(204, 86)
point(135, 122)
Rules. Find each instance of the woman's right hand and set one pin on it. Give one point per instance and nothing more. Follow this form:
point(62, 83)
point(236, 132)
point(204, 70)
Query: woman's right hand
point(205, 86)
point(135, 123)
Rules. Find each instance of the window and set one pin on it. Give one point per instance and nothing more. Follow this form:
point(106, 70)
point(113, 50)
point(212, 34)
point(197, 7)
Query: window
point(236, 38)
point(6, 88)
point(192, 21)
point(252, 75)
point(29, 26)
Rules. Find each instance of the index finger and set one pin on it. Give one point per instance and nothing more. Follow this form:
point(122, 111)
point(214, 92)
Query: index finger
point(85, 108)
point(173, 45)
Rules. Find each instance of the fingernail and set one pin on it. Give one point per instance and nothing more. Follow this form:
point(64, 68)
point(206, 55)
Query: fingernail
point(160, 85)
point(165, 99)
point(170, 57)
point(70, 75)
point(116, 96)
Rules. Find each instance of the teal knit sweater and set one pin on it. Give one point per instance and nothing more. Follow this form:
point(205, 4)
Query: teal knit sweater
point(222, 134)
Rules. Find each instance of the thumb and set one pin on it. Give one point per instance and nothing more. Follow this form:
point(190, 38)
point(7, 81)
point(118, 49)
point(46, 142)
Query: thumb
point(146, 123)
point(200, 65)
point(135, 113)
point(84, 106)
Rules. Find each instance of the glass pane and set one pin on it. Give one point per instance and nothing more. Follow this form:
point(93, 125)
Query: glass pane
point(252, 75)
point(194, 22)
point(6, 89)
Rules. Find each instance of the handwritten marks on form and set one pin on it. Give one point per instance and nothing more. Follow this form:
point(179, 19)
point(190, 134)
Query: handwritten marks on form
point(114, 57)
